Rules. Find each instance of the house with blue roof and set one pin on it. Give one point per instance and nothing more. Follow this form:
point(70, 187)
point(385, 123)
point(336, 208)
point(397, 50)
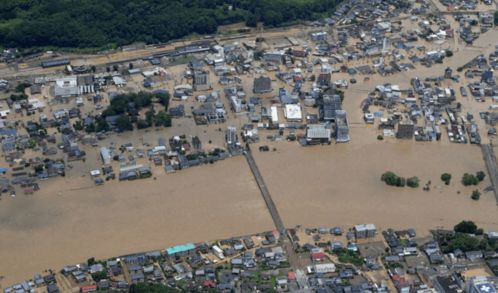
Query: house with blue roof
point(181, 250)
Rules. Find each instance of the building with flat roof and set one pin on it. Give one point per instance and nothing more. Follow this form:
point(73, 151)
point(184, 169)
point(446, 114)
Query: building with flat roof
point(201, 80)
point(232, 140)
point(134, 172)
point(183, 249)
point(66, 87)
point(329, 106)
point(447, 284)
point(317, 134)
point(293, 112)
point(482, 285)
point(274, 114)
point(322, 268)
point(365, 230)
point(274, 56)
point(319, 36)
point(105, 155)
point(262, 85)
point(405, 130)
point(341, 126)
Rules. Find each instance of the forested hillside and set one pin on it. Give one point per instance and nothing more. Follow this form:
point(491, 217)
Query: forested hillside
point(100, 23)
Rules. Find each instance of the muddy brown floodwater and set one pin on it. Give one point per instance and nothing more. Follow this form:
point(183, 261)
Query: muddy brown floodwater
point(340, 184)
point(67, 222)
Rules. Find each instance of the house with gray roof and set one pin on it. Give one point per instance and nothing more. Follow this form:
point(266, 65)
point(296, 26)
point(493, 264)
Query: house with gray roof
point(262, 85)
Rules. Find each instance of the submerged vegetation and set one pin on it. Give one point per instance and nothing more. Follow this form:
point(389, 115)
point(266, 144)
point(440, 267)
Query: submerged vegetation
point(390, 178)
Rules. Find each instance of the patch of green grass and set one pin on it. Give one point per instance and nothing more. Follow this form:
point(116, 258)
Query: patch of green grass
point(346, 256)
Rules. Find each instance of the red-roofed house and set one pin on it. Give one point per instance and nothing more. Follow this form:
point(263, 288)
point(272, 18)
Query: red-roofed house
point(88, 288)
point(318, 256)
point(291, 276)
point(208, 284)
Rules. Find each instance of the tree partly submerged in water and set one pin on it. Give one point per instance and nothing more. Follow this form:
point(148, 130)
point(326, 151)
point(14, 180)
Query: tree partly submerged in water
point(466, 227)
point(390, 178)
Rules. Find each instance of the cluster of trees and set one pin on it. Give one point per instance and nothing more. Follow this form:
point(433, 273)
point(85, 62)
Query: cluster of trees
point(20, 87)
point(466, 242)
point(467, 180)
point(151, 118)
point(467, 227)
point(18, 97)
point(98, 24)
point(346, 256)
point(99, 276)
point(127, 107)
point(129, 103)
point(471, 179)
point(467, 237)
point(390, 178)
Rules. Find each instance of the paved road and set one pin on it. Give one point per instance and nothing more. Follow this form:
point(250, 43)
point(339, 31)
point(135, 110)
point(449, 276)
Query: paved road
point(295, 260)
point(277, 220)
point(491, 165)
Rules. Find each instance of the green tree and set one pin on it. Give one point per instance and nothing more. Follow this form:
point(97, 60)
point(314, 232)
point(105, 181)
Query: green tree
point(390, 178)
point(124, 103)
point(446, 178)
point(22, 86)
point(466, 227)
point(346, 256)
point(78, 125)
point(108, 24)
point(463, 242)
point(476, 195)
point(480, 176)
point(149, 117)
point(469, 179)
point(19, 97)
point(141, 99)
point(401, 182)
point(90, 128)
point(123, 123)
point(101, 125)
point(141, 124)
point(99, 276)
point(412, 182)
point(163, 100)
point(163, 119)
point(251, 20)
point(31, 143)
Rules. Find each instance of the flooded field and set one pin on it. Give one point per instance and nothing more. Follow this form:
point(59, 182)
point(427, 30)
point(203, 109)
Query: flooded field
point(340, 184)
point(69, 221)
